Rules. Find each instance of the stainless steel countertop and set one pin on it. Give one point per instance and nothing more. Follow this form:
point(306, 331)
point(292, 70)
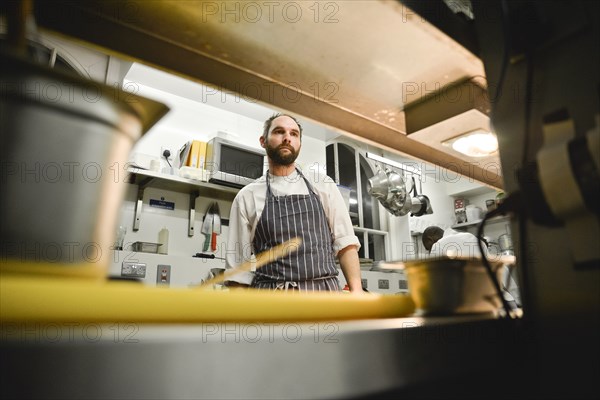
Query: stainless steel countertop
point(235, 360)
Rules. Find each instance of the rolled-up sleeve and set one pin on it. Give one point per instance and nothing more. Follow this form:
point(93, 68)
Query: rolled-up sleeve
point(338, 217)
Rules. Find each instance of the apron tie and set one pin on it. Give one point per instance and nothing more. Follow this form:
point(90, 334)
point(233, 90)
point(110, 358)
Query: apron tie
point(286, 285)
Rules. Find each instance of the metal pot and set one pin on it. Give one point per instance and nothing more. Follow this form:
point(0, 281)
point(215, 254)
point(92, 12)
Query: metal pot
point(505, 242)
point(64, 144)
point(391, 190)
point(379, 185)
point(397, 185)
point(420, 205)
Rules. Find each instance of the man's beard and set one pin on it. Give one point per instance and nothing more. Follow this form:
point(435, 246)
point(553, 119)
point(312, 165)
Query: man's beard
point(280, 158)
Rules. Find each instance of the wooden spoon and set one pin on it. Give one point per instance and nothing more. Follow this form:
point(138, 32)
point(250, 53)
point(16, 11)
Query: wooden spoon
point(262, 259)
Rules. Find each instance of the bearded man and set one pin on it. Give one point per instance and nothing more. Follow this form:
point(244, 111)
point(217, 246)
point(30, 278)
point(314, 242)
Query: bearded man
point(285, 203)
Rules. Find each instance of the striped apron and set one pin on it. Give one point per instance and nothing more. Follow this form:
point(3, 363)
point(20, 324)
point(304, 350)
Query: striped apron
point(312, 267)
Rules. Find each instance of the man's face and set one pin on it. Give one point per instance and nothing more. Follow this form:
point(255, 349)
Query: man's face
point(283, 141)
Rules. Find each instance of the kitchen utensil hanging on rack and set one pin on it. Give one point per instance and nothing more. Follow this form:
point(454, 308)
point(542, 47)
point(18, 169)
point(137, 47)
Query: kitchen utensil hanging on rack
point(391, 190)
point(207, 227)
point(211, 227)
point(421, 204)
point(216, 228)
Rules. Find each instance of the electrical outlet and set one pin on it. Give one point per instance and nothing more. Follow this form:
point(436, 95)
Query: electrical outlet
point(133, 269)
point(162, 153)
point(163, 274)
point(383, 284)
point(403, 284)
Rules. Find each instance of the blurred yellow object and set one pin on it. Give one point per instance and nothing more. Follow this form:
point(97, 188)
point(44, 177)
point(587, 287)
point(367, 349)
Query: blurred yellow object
point(47, 299)
point(88, 270)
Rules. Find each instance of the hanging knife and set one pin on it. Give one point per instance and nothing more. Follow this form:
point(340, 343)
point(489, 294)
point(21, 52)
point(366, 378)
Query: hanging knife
point(216, 228)
point(207, 227)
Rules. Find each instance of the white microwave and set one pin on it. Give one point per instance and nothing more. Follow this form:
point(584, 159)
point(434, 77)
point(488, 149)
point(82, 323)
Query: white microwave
point(233, 164)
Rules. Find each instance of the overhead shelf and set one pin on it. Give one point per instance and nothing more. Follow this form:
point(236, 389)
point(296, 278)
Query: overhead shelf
point(475, 223)
point(146, 178)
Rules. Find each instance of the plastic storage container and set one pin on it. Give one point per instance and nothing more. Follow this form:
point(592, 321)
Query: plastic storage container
point(474, 213)
point(163, 239)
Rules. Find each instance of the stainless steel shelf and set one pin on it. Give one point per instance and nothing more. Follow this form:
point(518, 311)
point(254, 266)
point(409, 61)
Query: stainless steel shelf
point(145, 178)
point(475, 223)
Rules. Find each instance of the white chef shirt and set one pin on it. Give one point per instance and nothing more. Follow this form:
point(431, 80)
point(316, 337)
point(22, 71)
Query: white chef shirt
point(249, 203)
point(457, 244)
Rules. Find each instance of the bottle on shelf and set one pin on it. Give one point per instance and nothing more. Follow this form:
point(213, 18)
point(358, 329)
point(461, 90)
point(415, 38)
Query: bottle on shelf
point(163, 239)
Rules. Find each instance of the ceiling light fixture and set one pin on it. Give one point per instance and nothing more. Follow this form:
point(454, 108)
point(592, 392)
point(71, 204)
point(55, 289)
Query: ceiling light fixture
point(477, 143)
point(411, 169)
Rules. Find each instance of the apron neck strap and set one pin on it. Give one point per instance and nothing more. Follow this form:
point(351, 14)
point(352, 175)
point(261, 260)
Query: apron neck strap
point(270, 193)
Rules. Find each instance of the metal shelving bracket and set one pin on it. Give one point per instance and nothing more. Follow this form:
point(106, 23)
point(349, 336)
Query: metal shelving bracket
point(138, 204)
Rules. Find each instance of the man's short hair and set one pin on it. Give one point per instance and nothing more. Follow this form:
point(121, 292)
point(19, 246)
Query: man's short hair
point(431, 235)
point(270, 120)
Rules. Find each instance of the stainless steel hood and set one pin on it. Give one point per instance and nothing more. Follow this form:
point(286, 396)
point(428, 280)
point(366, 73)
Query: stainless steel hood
point(353, 66)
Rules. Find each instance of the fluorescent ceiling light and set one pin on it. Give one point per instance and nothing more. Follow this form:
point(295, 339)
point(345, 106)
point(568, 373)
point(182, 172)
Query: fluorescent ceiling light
point(478, 143)
point(405, 167)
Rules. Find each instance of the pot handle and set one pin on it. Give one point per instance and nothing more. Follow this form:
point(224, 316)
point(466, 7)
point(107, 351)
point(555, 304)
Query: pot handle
point(414, 188)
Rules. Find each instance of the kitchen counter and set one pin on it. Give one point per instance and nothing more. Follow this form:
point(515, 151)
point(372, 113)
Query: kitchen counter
point(338, 359)
point(82, 338)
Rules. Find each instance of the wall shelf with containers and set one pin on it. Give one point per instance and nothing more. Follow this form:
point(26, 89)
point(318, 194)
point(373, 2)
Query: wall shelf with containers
point(493, 220)
point(195, 188)
point(470, 205)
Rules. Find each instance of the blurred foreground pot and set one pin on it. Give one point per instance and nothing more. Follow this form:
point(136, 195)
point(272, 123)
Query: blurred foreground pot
point(452, 285)
point(445, 286)
point(64, 142)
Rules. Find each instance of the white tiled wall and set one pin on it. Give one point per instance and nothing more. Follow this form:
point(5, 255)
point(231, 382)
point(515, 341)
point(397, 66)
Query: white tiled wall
point(185, 271)
point(152, 220)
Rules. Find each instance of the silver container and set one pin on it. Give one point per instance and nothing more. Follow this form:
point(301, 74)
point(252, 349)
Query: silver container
point(379, 185)
point(64, 142)
point(505, 242)
point(146, 247)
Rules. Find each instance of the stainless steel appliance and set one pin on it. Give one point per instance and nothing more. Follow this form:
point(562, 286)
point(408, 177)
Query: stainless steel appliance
point(233, 164)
